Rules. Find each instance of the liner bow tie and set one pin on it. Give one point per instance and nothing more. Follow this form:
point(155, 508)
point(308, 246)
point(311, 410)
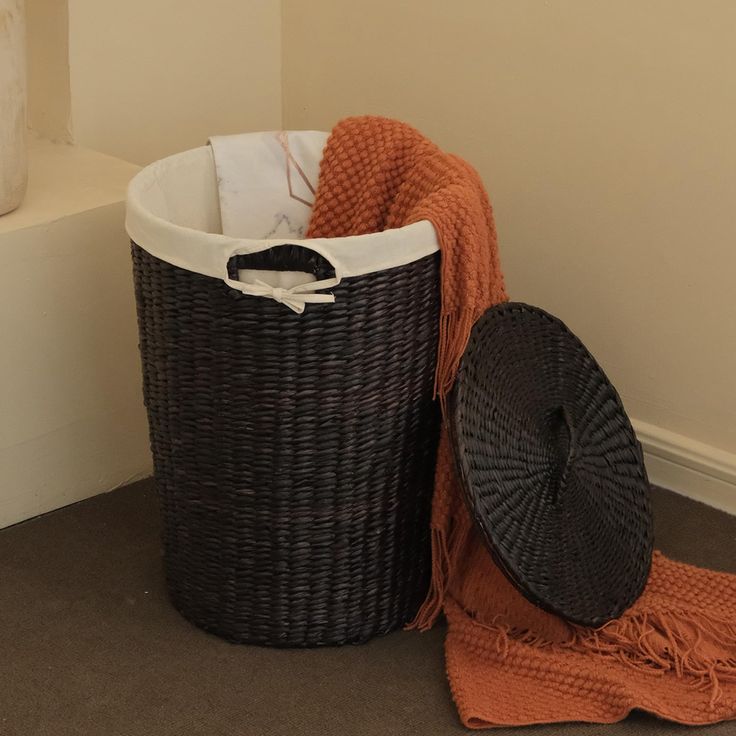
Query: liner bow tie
point(296, 297)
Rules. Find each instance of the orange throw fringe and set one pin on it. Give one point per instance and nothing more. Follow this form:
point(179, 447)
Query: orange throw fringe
point(673, 653)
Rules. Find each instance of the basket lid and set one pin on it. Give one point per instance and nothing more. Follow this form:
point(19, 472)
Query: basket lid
point(551, 466)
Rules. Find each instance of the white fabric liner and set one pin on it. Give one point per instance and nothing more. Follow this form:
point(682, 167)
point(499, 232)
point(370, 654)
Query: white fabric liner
point(198, 209)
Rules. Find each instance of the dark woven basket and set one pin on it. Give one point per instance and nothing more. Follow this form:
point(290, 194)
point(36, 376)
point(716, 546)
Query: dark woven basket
point(294, 454)
point(551, 466)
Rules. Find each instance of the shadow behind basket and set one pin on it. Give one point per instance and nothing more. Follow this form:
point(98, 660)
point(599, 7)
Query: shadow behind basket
point(294, 453)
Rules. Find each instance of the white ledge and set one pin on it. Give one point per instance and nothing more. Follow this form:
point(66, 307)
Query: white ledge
point(64, 180)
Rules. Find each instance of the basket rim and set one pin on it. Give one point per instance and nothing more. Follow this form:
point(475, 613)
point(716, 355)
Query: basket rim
point(207, 253)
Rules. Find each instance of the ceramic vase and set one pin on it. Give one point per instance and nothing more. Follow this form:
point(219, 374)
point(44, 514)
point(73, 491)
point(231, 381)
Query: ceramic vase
point(13, 161)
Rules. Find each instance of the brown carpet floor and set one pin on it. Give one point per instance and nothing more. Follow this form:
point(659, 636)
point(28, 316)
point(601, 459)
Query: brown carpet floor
point(89, 644)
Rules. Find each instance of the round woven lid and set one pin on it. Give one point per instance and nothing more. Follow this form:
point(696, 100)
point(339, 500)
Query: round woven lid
point(551, 466)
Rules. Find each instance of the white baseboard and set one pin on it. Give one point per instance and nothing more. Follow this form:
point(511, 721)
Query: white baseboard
point(690, 468)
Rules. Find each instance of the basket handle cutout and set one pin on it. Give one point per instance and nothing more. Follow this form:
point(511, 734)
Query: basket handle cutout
point(282, 258)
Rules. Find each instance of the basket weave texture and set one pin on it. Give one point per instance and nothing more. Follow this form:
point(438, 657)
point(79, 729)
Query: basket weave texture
point(294, 454)
point(551, 466)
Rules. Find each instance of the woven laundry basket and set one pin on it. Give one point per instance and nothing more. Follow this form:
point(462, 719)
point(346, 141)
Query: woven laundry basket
point(288, 384)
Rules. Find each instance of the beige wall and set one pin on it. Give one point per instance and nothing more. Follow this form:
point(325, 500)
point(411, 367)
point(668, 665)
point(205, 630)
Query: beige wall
point(149, 78)
point(604, 132)
point(49, 96)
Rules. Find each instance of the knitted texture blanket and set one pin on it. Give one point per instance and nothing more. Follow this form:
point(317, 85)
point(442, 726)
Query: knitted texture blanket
point(673, 653)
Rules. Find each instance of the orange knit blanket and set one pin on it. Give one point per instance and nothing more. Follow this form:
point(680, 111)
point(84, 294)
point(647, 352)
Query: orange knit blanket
point(509, 663)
